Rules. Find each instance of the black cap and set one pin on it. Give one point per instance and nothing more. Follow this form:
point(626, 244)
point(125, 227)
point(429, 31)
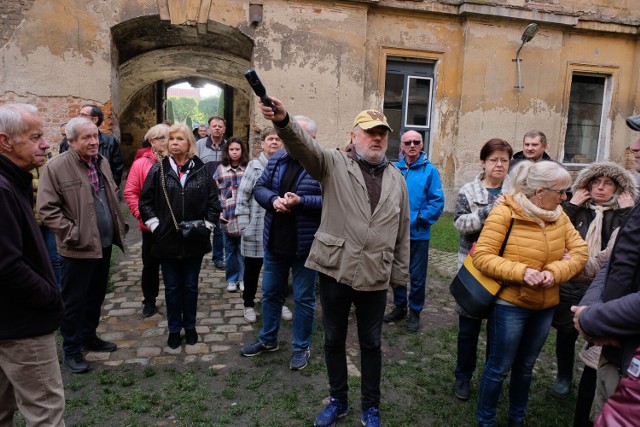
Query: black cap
point(634, 122)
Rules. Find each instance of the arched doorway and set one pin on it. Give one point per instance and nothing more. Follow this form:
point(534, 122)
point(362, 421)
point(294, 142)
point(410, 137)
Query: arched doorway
point(149, 54)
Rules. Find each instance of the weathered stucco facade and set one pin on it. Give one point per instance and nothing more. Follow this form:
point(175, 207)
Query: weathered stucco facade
point(327, 60)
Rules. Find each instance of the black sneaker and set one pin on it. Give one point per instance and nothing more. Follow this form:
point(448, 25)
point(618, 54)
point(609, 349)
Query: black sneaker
point(149, 309)
point(398, 313)
point(76, 363)
point(174, 340)
point(219, 265)
point(413, 321)
point(99, 345)
point(190, 336)
point(462, 390)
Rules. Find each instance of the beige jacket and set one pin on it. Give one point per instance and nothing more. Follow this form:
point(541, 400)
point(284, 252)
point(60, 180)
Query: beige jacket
point(353, 246)
point(65, 204)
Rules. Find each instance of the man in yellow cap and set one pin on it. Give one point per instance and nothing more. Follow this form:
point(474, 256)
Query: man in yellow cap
point(360, 249)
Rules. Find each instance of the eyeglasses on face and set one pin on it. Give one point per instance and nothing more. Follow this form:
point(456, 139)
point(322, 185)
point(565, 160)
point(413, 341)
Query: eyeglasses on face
point(495, 161)
point(415, 142)
point(158, 138)
point(560, 192)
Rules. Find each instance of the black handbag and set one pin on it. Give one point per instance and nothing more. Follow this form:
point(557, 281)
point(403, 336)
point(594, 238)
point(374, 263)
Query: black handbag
point(472, 290)
point(194, 231)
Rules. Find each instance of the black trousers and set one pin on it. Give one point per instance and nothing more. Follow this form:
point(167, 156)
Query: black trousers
point(84, 284)
point(336, 299)
point(150, 280)
point(252, 267)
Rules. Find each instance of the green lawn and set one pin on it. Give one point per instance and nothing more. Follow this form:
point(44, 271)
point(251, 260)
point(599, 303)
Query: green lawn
point(444, 236)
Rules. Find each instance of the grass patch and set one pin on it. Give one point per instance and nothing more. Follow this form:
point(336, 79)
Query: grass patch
point(444, 236)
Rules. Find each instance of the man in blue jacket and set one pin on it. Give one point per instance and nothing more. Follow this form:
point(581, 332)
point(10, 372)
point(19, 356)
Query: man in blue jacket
point(293, 204)
point(426, 202)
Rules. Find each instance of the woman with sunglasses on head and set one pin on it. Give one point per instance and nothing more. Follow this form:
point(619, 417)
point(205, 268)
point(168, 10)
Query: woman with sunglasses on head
point(475, 201)
point(156, 138)
point(542, 250)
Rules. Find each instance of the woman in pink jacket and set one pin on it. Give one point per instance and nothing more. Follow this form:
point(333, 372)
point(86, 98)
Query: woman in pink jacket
point(157, 137)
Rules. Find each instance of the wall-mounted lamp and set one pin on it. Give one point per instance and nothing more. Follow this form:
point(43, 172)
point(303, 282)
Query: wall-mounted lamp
point(528, 34)
point(255, 13)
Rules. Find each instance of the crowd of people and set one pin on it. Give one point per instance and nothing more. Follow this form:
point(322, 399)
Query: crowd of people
point(346, 223)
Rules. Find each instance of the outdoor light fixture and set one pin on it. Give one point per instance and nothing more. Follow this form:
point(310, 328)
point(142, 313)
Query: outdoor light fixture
point(528, 34)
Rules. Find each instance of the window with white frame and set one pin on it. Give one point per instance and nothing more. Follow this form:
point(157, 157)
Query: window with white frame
point(408, 99)
point(589, 103)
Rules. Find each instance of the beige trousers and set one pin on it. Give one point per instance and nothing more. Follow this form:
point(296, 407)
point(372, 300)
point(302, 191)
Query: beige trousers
point(30, 381)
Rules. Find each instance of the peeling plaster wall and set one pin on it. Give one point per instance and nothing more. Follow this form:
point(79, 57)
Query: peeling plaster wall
point(326, 59)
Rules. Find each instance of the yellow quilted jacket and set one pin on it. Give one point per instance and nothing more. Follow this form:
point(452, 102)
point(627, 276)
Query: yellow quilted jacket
point(528, 246)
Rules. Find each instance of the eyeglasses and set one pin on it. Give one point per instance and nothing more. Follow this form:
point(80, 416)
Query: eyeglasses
point(412, 141)
point(495, 161)
point(560, 192)
point(158, 138)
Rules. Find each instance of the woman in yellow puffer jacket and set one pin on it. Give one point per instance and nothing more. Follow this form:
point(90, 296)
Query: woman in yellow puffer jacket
point(543, 250)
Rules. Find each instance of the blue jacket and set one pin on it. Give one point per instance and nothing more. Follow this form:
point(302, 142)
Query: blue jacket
point(426, 199)
point(307, 214)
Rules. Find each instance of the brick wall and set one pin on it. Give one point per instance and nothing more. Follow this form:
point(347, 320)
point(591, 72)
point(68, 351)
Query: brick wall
point(11, 15)
point(57, 110)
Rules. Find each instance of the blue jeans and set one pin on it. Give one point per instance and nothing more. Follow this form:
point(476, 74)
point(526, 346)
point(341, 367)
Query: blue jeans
point(418, 261)
point(516, 336)
point(234, 261)
point(275, 273)
point(336, 299)
point(52, 249)
point(181, 291)
point(217, 244)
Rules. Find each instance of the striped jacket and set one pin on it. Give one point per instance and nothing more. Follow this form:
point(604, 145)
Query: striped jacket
point(249, 213)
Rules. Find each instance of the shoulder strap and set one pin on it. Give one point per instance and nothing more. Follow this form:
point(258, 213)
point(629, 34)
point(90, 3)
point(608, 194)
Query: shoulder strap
point(166, 196)
point(506, 237)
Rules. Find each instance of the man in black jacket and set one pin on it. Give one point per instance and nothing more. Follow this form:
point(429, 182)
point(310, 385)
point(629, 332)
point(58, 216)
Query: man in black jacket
point(30, 303)
point(109, 146)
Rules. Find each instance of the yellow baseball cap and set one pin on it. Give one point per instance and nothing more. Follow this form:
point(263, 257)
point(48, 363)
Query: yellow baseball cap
point(369, 119)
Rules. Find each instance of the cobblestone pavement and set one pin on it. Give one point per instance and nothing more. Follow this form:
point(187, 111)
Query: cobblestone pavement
point(221, 326)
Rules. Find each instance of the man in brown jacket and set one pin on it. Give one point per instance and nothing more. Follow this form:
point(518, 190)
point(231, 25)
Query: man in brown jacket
point(77, 200)
point(360, 249)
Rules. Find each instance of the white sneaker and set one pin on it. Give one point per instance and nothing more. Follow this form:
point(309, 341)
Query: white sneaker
point(286, 313)
point(249, 314)
point(232, 287)
point(241, 286)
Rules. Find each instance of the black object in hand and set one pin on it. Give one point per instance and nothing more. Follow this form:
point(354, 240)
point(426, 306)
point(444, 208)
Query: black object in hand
point(258, 88)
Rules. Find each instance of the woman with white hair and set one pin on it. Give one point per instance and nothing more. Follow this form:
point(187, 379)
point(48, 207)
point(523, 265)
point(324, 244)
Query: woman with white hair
point(542, 250)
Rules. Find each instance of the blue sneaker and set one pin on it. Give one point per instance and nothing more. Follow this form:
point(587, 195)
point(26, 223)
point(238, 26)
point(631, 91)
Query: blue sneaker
point(299, 359)
point(334, 410)
point(256, 348)
point(371, 417)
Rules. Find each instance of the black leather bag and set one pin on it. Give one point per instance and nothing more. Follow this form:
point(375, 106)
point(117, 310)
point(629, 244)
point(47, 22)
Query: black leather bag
point(195, 231)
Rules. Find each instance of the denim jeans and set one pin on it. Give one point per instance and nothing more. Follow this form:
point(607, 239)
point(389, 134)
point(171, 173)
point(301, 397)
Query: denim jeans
point(84, 284)
point(49, 238)
point(150, 270)
point(252, 267)
point(516, 335)
point(234, 261)
point(217, 244)
point(468, 331)
point(418, 261)
point(336, 299)
point(30, 381)
point(181, 291)
point(275, 274)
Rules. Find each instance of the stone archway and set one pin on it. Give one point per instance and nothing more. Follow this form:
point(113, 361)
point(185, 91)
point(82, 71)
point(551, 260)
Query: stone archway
point(149, 52)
